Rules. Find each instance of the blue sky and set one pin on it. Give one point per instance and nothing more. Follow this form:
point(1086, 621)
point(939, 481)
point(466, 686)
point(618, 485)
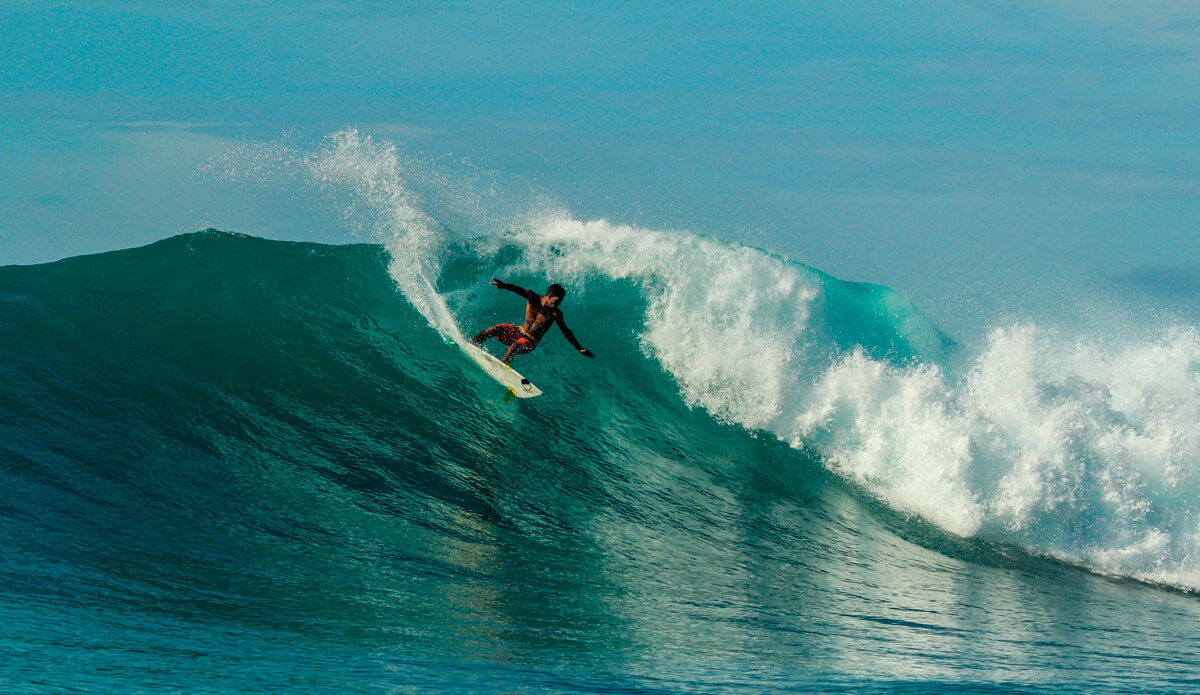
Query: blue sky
point(931, 146)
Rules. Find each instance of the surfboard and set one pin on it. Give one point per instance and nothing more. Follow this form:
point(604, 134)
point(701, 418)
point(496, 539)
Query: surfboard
point(506, 375)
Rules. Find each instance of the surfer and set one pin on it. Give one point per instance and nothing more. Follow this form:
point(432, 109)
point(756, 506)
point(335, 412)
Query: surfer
point(541, 312)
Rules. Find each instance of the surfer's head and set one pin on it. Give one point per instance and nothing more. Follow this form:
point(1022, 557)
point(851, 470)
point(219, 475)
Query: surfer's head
point(555, 294)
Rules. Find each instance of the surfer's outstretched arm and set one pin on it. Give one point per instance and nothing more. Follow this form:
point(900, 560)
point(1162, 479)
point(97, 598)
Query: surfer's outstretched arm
point(527, 294)
point(571, 338)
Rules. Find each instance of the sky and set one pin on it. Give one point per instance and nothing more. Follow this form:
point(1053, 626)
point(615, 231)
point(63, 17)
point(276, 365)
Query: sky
point(961, 151)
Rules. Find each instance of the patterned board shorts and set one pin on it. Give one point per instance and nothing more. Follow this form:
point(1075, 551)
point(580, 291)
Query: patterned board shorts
point(515, 337)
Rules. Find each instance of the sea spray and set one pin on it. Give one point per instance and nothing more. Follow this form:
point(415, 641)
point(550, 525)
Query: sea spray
point(366, 183)
point(380, 206)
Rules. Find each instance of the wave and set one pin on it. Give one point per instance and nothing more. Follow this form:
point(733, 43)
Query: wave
point(1080, 450)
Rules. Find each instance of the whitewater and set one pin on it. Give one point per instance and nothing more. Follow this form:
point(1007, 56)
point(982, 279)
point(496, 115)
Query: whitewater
point(246, 464)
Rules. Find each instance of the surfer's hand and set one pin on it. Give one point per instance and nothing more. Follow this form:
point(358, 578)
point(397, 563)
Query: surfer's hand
point(494, 282)
point(586, 353)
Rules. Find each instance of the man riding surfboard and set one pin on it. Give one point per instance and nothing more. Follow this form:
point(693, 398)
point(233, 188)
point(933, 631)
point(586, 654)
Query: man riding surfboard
point(541, 312)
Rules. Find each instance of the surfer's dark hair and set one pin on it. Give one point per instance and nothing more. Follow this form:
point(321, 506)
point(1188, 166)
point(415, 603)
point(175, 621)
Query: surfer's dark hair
point(556, 290)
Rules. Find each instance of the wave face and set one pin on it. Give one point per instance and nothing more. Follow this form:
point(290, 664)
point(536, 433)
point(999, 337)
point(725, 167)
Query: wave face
point(258, 464)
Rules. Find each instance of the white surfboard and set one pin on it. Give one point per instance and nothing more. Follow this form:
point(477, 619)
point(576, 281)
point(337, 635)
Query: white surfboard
point(506, 375)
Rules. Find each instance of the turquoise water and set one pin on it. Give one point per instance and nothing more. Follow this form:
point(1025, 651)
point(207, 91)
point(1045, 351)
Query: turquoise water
point(234, 465)
point(238, 465)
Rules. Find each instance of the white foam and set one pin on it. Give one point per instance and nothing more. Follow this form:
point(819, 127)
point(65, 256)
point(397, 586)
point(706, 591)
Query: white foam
point(895, 431)
point(709, 305)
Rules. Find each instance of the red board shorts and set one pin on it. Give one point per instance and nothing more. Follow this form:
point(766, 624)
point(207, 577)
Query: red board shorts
point(513, 336)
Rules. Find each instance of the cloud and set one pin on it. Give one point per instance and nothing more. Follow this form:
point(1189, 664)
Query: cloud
point(160, 126)
point(1165, 25)
point(403, 130)
point(1172, 280)
point(55, 200)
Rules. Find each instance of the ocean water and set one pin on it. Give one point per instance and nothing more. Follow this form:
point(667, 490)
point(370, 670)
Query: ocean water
point(231, 464)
